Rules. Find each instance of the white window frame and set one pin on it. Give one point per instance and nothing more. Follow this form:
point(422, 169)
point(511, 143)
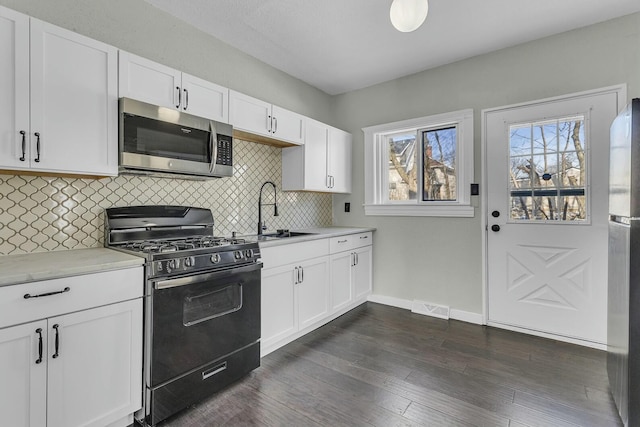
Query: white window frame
point(376, 168)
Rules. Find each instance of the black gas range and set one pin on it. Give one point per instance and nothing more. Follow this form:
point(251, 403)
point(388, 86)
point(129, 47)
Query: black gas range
point(202, 303)
point(175, 240)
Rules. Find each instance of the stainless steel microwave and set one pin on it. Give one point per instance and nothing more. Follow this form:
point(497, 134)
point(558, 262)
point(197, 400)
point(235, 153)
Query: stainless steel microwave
point(163, 141)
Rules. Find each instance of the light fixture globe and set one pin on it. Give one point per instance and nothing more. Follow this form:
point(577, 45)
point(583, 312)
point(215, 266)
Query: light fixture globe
point(408, 15)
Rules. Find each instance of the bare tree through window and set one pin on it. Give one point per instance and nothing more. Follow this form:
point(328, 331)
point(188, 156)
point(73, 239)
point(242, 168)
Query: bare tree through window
point(547, 170)
point(437, 150)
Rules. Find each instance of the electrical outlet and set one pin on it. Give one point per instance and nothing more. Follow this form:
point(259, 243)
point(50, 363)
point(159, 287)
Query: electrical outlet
point(475, 189)
point(347, 207)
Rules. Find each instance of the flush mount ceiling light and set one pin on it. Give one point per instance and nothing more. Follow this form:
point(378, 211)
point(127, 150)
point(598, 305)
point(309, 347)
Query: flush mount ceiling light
point(408, 15)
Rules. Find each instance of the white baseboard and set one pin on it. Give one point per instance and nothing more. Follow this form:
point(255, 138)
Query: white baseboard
point(393, 302)
point(464, 316)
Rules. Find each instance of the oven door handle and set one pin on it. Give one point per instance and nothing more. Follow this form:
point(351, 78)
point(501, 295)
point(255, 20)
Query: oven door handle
point(188, 280)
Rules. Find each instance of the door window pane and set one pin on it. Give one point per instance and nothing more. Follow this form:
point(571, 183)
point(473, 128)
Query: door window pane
point(547, 168)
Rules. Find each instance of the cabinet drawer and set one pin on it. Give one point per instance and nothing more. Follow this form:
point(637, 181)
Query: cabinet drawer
point(276, 256)
point(350, 241)
point(85, 291)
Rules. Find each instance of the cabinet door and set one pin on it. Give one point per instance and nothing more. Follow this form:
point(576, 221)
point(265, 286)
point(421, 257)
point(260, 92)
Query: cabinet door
point(249, 114)
point(14, 87)
point(315, 156)
point(313, 291)
point(96, 377)
point(205, 99)
point(148, 81)
point(74, 102)
point(23, 390)
point(287, 125)
point(339, 162)
point(362, 272)
point(278, 305)
point(341, 290)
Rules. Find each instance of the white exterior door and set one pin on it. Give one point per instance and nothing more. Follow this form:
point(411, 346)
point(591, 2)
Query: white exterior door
point(23, 391)
point(547, 202)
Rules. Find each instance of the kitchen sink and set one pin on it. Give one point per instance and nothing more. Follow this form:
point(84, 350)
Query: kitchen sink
point(283, 234)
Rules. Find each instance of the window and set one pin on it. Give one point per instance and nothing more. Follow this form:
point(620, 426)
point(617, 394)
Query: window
point(420, 167)
point(547, 162)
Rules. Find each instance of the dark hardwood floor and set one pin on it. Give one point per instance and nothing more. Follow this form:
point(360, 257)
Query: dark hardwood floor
point(383, 366)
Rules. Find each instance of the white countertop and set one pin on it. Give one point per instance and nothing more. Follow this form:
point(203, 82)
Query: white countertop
point(318, 233)
point(15, 269)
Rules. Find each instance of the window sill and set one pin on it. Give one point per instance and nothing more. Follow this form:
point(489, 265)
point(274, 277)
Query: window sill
point(414, 210)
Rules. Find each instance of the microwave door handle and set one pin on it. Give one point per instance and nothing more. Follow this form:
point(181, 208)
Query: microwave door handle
point(213, 146)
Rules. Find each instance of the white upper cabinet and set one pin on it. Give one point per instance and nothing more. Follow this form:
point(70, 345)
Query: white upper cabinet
point(157, 84)
point(14, 87)
point(257, 117)
point(60, 112)
point(339, 160)
point(322, 164)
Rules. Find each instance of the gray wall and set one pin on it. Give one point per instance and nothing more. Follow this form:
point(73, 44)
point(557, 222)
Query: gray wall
point(433, 259)
point(438, 259)
point(138, 27)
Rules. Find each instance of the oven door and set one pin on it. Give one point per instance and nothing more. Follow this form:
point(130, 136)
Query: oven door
point(200, 318)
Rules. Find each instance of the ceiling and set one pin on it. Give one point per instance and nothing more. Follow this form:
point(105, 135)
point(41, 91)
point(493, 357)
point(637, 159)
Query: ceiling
point(343, 45)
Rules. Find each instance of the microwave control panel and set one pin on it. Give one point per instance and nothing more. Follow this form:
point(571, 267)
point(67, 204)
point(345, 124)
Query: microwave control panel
point(225, 151)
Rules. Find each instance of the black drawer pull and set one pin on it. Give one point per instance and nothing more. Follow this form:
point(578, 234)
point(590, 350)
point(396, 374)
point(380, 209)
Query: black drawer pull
point(39, 332)
point(56, 327)
point(27, 296)
point(24, 144)
point(215, 370)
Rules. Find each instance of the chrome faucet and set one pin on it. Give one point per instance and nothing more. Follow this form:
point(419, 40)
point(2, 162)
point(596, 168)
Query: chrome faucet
point(262, 225)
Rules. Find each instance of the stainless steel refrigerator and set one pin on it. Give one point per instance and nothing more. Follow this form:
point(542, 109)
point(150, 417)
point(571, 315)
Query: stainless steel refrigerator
point(623, 329)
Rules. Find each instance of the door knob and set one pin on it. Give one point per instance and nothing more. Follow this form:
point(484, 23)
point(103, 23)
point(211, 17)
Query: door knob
point(495, 227)
point(495, 214)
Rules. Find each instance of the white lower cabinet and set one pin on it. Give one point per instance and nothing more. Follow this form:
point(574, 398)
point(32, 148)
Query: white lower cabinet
point(23, 389)
point(77, 369)
point(294, 296)
point(305, 285)
point(96, 378)
point(351, 277)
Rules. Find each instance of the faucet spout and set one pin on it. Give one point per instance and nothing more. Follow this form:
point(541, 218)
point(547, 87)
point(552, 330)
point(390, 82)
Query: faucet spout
point(262, 226)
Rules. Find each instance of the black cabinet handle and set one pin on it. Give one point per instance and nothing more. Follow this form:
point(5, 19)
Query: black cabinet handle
point(179, 96)
point(27, 296)
point(37, 134)
point(24, 144)
point(57, 328)
point(186, 99)
point(39, 332)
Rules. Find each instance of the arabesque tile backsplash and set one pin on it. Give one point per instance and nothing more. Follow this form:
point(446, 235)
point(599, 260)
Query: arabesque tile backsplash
point(46, 214)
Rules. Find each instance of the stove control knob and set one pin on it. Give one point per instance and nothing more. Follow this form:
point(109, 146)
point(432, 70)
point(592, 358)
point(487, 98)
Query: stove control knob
point(171, 264)
point(248, 253)
point(189, 262)
point(215, 258)
point(237, 254)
